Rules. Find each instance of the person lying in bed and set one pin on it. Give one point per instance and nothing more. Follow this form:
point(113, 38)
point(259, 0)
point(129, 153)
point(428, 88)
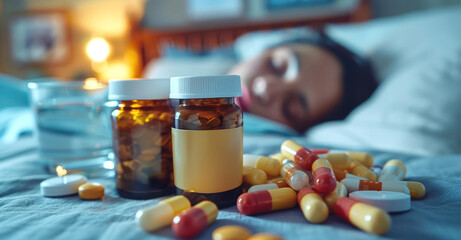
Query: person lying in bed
point(304, 81)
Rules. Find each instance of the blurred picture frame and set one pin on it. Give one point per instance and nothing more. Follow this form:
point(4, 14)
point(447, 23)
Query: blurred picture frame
point(39, 37)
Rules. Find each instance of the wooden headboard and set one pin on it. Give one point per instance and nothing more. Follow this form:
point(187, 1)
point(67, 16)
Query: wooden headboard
point(150, 42)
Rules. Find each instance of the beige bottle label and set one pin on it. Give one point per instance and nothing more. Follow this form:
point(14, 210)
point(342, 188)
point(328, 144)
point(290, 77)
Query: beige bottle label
point(208, 161)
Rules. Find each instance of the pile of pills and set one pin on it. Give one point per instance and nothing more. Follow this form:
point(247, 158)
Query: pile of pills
point(319, 181)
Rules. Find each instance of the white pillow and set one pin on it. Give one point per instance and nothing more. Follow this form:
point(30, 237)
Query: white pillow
point(417, 107)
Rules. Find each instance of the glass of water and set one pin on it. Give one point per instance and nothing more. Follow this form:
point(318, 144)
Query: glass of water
point(73, 126)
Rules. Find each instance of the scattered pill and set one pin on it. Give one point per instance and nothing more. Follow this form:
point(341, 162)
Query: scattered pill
point(268, 186)
point(266, 201)
point(254, 176)
point(337, 160)
point(301, 155)
point(393, 170)
point(265, 236)
point(323, 176)
point(364, 216)
point(278, 156)
point(295, 176)
point(339, 192)
point(269, 165)
point(231, 232)
point(91, 191)
point(161, 214)
point(388, 201)
point(312, 205)
point(417, 189)
point(361, 170)
point(362, 157)
point(342, 174)
point(192, 221)
point(62, 186)
point(353, 185)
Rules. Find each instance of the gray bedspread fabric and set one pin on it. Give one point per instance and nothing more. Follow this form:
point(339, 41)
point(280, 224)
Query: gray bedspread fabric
point(25, 214)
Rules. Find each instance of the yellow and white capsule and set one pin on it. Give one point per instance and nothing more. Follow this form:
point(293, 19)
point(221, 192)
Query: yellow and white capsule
point(161, 214)
point(268, 186)
point(295, 176)
point(269, 165)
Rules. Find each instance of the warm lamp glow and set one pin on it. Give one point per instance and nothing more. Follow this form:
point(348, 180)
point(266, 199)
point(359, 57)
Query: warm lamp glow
point(92, 83)
point(98, 49)
point(61, 171)
point(118, 70)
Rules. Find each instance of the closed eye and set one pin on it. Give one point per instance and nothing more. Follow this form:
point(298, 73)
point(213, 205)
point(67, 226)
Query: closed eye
point(295, 108)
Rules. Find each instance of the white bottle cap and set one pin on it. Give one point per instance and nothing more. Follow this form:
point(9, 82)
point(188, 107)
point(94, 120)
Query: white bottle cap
point(193, 87)
point(139, 89)
point(62, 186)
point(386, 200)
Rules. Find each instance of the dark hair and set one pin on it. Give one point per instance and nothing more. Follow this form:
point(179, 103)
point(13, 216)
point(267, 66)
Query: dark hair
point(359, 81)
point(358, 78)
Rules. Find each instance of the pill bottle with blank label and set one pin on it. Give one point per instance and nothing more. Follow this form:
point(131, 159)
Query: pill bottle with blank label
point(141, 126)
point(207, 138)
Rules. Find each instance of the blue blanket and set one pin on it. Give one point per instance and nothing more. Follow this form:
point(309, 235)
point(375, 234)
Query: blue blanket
point(27, 215)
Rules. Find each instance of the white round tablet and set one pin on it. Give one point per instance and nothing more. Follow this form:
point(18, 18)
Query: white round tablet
point(386, 200)
point(62, 186)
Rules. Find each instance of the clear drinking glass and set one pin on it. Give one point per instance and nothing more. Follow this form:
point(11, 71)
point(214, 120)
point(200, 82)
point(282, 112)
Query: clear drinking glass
point(73, 126)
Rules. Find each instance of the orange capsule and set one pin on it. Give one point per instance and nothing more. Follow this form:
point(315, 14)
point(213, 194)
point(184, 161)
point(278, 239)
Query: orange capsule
point(266, 201)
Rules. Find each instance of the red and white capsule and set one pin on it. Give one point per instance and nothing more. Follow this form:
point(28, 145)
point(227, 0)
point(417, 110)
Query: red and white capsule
point(266, 201)
point(192, 221)
point(324, 178)
point(301, 155)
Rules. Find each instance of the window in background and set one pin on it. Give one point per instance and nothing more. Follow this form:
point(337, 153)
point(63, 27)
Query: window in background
point(212, 9)
point(293, 4)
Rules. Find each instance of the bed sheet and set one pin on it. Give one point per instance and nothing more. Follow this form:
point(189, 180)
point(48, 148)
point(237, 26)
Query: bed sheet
point(27, 215)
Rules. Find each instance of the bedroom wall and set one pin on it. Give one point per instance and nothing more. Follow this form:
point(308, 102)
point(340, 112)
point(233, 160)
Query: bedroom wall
point(389, 8)
point(87, 19)
point(173, 13)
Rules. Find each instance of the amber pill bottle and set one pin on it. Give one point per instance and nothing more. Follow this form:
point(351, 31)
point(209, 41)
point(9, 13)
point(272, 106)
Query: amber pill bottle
point(207, 137)
point(141, 127)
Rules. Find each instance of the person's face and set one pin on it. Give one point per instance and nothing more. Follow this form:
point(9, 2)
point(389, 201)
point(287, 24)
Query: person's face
point(295, 85)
